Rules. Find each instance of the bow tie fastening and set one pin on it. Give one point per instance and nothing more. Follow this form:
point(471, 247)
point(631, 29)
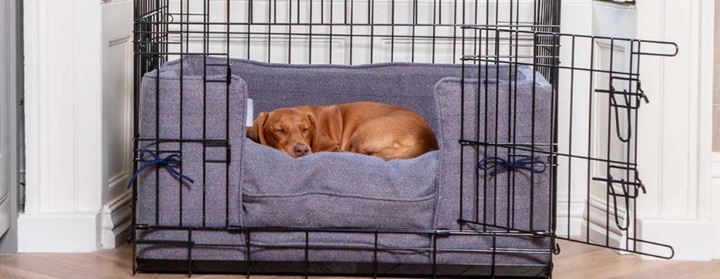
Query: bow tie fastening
point(495, 165)
point(170, 162)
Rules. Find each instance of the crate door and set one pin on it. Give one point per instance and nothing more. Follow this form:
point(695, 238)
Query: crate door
point(580, 160)
point(598, 197)
point(598, 178)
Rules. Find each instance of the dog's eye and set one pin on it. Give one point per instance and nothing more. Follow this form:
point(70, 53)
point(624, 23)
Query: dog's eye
point(306, 129)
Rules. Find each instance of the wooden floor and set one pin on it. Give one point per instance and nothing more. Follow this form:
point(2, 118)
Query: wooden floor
point(575, 261)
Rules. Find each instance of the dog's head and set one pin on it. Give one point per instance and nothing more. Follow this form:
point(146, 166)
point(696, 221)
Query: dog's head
point(289, 130)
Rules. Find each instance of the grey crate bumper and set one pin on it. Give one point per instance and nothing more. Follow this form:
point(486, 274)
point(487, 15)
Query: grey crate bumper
point(396, 206)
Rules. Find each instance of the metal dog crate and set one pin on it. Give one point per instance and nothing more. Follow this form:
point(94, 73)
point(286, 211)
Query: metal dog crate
point(589, 155)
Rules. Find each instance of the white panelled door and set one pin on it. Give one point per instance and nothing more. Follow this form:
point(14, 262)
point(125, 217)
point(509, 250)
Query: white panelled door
point(609, 20)
point(5, 101)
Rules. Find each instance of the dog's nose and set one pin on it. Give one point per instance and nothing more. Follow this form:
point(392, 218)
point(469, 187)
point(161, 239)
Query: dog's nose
point(301, 150)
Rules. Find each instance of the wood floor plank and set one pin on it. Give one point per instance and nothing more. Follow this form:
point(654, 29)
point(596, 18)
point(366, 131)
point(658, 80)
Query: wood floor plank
point(571, 249)
point(16, 273)
point(54, 267)
point(575, 261)
point(92, 265)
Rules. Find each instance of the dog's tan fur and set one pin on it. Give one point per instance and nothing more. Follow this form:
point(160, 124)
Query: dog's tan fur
point(375, 129)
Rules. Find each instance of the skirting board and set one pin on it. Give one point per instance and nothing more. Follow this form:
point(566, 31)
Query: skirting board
point(599, 229)
point(569, 223)
point(116, 221)
point(59, 232)
point(690, 238)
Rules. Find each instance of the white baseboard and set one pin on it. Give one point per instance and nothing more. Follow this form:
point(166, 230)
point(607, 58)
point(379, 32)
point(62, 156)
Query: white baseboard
point(578, 219)
point(691, 239)
point(116, 221)
point(600, 230)
point(574, 220)
point(59, 232)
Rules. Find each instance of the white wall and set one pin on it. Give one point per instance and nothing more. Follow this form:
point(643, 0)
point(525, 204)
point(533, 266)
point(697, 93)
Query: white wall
point(676, 127)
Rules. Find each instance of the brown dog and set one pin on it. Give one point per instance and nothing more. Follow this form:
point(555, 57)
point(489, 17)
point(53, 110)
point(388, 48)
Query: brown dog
point(375, 129)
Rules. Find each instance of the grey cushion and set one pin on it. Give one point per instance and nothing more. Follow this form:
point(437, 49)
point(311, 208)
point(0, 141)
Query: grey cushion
point(333, 189)
point(214, 198)
point(485, 197)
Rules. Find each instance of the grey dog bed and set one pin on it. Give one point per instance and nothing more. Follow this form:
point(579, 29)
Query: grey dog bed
point(260, 187)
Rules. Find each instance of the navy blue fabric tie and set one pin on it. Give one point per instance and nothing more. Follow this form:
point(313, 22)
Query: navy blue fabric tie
point(170, 163)
point(495, 165)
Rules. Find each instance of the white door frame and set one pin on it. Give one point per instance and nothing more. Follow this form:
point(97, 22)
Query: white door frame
point(76, 201)
point(62, 124)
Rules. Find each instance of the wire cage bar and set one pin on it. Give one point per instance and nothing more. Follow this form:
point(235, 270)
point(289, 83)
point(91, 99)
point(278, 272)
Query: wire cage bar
point(569, 138)
point(312, 32)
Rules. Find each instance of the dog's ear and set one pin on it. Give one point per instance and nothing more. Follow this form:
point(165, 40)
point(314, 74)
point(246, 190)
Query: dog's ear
point(255, 132)
point(314, 130)
point(320, 141)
